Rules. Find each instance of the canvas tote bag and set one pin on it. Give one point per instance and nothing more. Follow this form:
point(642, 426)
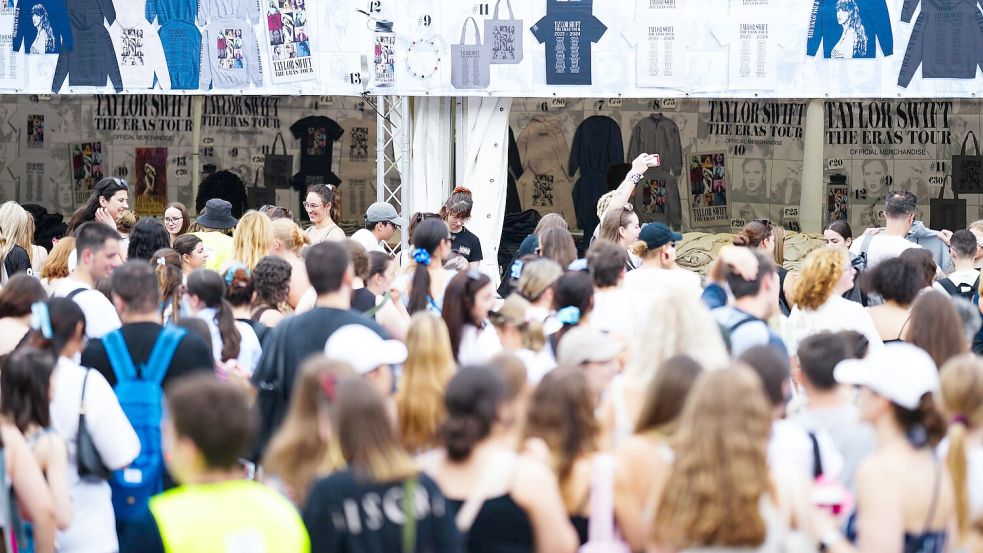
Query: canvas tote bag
point(504, 37)
point(470, 63)
point(967, 170)
point(277, 168)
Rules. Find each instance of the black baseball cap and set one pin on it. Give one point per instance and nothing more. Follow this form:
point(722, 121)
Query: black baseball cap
point(656, 235)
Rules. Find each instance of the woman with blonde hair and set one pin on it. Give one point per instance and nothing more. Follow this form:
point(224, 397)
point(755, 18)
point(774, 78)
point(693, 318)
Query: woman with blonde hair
point(521, 333)
point(14, 222)
point(55, 267)
point(673, 324)
point(622, 228)
point(301, 451)
point(962, 402)
point(19, 225)
point(557, 244)
point(817, 299)
point(288, 241)
point(167, 265)
point(428, 368)
point(707, 504)
point(536, 284)
point(252, 239)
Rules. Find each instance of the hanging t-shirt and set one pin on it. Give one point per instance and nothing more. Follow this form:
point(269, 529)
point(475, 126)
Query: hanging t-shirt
point(545, 185)
point(171, 10)
point(50, 34)
point(947, 41)
point(233, 54)
point(181, 41)
point(317, 135)
point(245, 9)
point(567, 30)
point(357, 166)
point(139, 53)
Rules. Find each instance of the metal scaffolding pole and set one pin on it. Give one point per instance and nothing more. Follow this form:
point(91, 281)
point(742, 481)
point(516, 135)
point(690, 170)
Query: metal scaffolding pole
point(393, 147)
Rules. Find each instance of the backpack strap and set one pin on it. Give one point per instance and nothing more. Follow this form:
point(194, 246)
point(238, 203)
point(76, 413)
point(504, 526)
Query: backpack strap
point(950, 287)
point(866, 244)
point(817, 461)
point(119, 357)
point(71, 295)
point(163, 353)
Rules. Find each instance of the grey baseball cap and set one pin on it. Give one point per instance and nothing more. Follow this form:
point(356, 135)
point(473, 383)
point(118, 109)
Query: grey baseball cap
point(383, 212)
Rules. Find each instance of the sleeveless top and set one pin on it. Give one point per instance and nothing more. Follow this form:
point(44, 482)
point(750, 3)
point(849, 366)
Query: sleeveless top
point(900, 334)
point(502, 526)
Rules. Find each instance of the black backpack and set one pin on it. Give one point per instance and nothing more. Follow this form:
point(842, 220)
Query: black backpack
point(960, 290)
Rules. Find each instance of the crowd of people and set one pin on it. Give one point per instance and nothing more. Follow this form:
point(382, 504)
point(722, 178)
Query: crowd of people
point(207, 383)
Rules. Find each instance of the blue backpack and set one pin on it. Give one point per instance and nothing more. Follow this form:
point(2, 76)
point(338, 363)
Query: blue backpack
point(141, 397)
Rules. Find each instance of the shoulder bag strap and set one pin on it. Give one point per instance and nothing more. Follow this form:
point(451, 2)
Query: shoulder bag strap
point(378, 307)
point(601, 527)
point(279, 136)
point(71, 295)
point(409, 513)
point(472, 505)
point(975, 142)
point(868, 237)
point(119, 356)
point(817, 460)
point(464, 31)
point(85, 380)
point(949, 286)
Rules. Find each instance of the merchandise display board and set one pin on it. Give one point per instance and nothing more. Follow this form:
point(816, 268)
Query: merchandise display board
point(55, 149)
point(724, 163)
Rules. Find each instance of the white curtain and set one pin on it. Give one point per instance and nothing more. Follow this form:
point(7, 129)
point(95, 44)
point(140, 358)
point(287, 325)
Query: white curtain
point(429, 154)
point(482, 165)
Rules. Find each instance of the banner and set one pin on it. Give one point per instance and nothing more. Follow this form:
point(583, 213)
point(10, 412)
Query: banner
point(874, 147)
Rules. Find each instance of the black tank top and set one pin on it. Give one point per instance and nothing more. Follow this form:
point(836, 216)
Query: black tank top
point(501, 526)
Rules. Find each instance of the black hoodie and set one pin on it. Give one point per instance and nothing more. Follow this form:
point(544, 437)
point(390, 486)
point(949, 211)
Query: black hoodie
point(92, 59)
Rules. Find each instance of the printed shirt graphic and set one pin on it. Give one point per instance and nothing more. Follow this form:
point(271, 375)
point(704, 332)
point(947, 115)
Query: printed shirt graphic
point(42, 27)
point(317, 135)
point(181, 42)
point(850, 28)
point(661, 39)
point(567, 30)
point(357, 166)
point(947, 41)
point(233, 55)
point(140, 54)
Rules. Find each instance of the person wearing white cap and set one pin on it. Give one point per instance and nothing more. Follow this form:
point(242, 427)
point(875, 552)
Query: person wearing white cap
point(381, 223)
point(904, 494)
point(369, 354)
point(590, 349)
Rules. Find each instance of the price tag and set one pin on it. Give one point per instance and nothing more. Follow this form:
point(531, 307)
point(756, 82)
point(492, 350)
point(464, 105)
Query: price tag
point(259, 159)
point(44, 97)
point(669, 103)
point(182, 172)
point(791, 212)
point(835, 164)
point(737, 223)
point(327, 100)
point(558, 103)
point(615, 102)
point(208, 140)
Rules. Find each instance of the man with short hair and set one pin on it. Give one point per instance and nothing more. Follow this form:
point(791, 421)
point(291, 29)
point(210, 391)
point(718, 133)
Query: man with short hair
point(372, 356)
point(381, 223)
point(755, 301)
point(613, 310)
point(98, 255)
point(828, 408)
point(965, 280)
point(899, 211)
point(330, 271)
point(215, 508)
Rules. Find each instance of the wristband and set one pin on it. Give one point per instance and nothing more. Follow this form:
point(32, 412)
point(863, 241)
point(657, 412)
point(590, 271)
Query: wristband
point(635, 178)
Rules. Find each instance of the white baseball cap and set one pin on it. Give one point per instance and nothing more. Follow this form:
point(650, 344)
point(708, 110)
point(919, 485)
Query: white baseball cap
point(363, 349)
point(900, 372)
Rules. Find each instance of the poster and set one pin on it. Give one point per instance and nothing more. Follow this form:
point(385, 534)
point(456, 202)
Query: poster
point(289, 41)
point(150, 181)
point(708, 190)
point(11, 62)
point(874, 147)
point(87, 169)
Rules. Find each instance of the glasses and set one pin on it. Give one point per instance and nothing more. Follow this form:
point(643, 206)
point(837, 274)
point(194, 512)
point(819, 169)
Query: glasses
point(172, 220)
point(312, 206)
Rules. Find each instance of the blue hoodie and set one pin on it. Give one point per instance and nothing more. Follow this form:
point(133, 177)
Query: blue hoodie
point(867, 21)
point(181, 41)
point(170, 10)
point(53, 17)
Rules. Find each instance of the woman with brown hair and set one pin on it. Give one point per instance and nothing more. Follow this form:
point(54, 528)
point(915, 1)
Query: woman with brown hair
point(762, 234)
point(817, 302)
point(176, 220)
point(192, 251)
point(707, 504)
point(16, 298)
point(377, 472)
point(643, 460)
point(323, 206)
point(288, 241)
point(167, 265)
point(558, 245)
point(962, 402)
point(561, 430)
point(271, 285)
point(429, 366)
point(504, 501)
point(456, 212)
point(936, 327)
point(467, 302)
point(622, 228)
point(55, 268)
point(301, 451)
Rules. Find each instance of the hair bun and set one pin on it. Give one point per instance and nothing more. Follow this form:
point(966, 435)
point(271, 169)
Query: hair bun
point(461, 190)
point(742, 240)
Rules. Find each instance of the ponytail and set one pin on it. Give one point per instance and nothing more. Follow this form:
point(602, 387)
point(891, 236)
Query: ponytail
point(955, 461)
point(211, 289)
point(427, 238)
point(167, 266)
point(961, 380)
point(226, 321)
point(419, 289)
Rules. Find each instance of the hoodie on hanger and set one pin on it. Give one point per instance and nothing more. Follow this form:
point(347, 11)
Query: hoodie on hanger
point(597, 145)
point(181, 41)
point(92, 59)
point(866, 22)
point(657, 195)
point(139, 52)
point(43, 27)
point(232, 55)
point(947, 41)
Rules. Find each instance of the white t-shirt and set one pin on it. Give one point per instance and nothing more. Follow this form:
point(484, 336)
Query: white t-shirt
point(478, 346)
point(101, 317)
point(881, 247)
point(967, 277)
point(537, 364)
point(93, 528)
point(614, 313)
point(836, 314)
point(649, 281)
point(250, 349)
point(367, 240)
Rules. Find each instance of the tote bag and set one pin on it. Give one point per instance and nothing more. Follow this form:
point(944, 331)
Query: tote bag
point(470, 64)
point(277, 168)
point(947, 213)
point(504, 37)
point(967, 170)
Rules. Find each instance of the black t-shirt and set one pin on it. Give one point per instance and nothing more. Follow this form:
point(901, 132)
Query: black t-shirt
point(317, 135)
point(17, 261)
point(192, 354)
point(467, 245)
point(363, 300)
point(346, 514)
